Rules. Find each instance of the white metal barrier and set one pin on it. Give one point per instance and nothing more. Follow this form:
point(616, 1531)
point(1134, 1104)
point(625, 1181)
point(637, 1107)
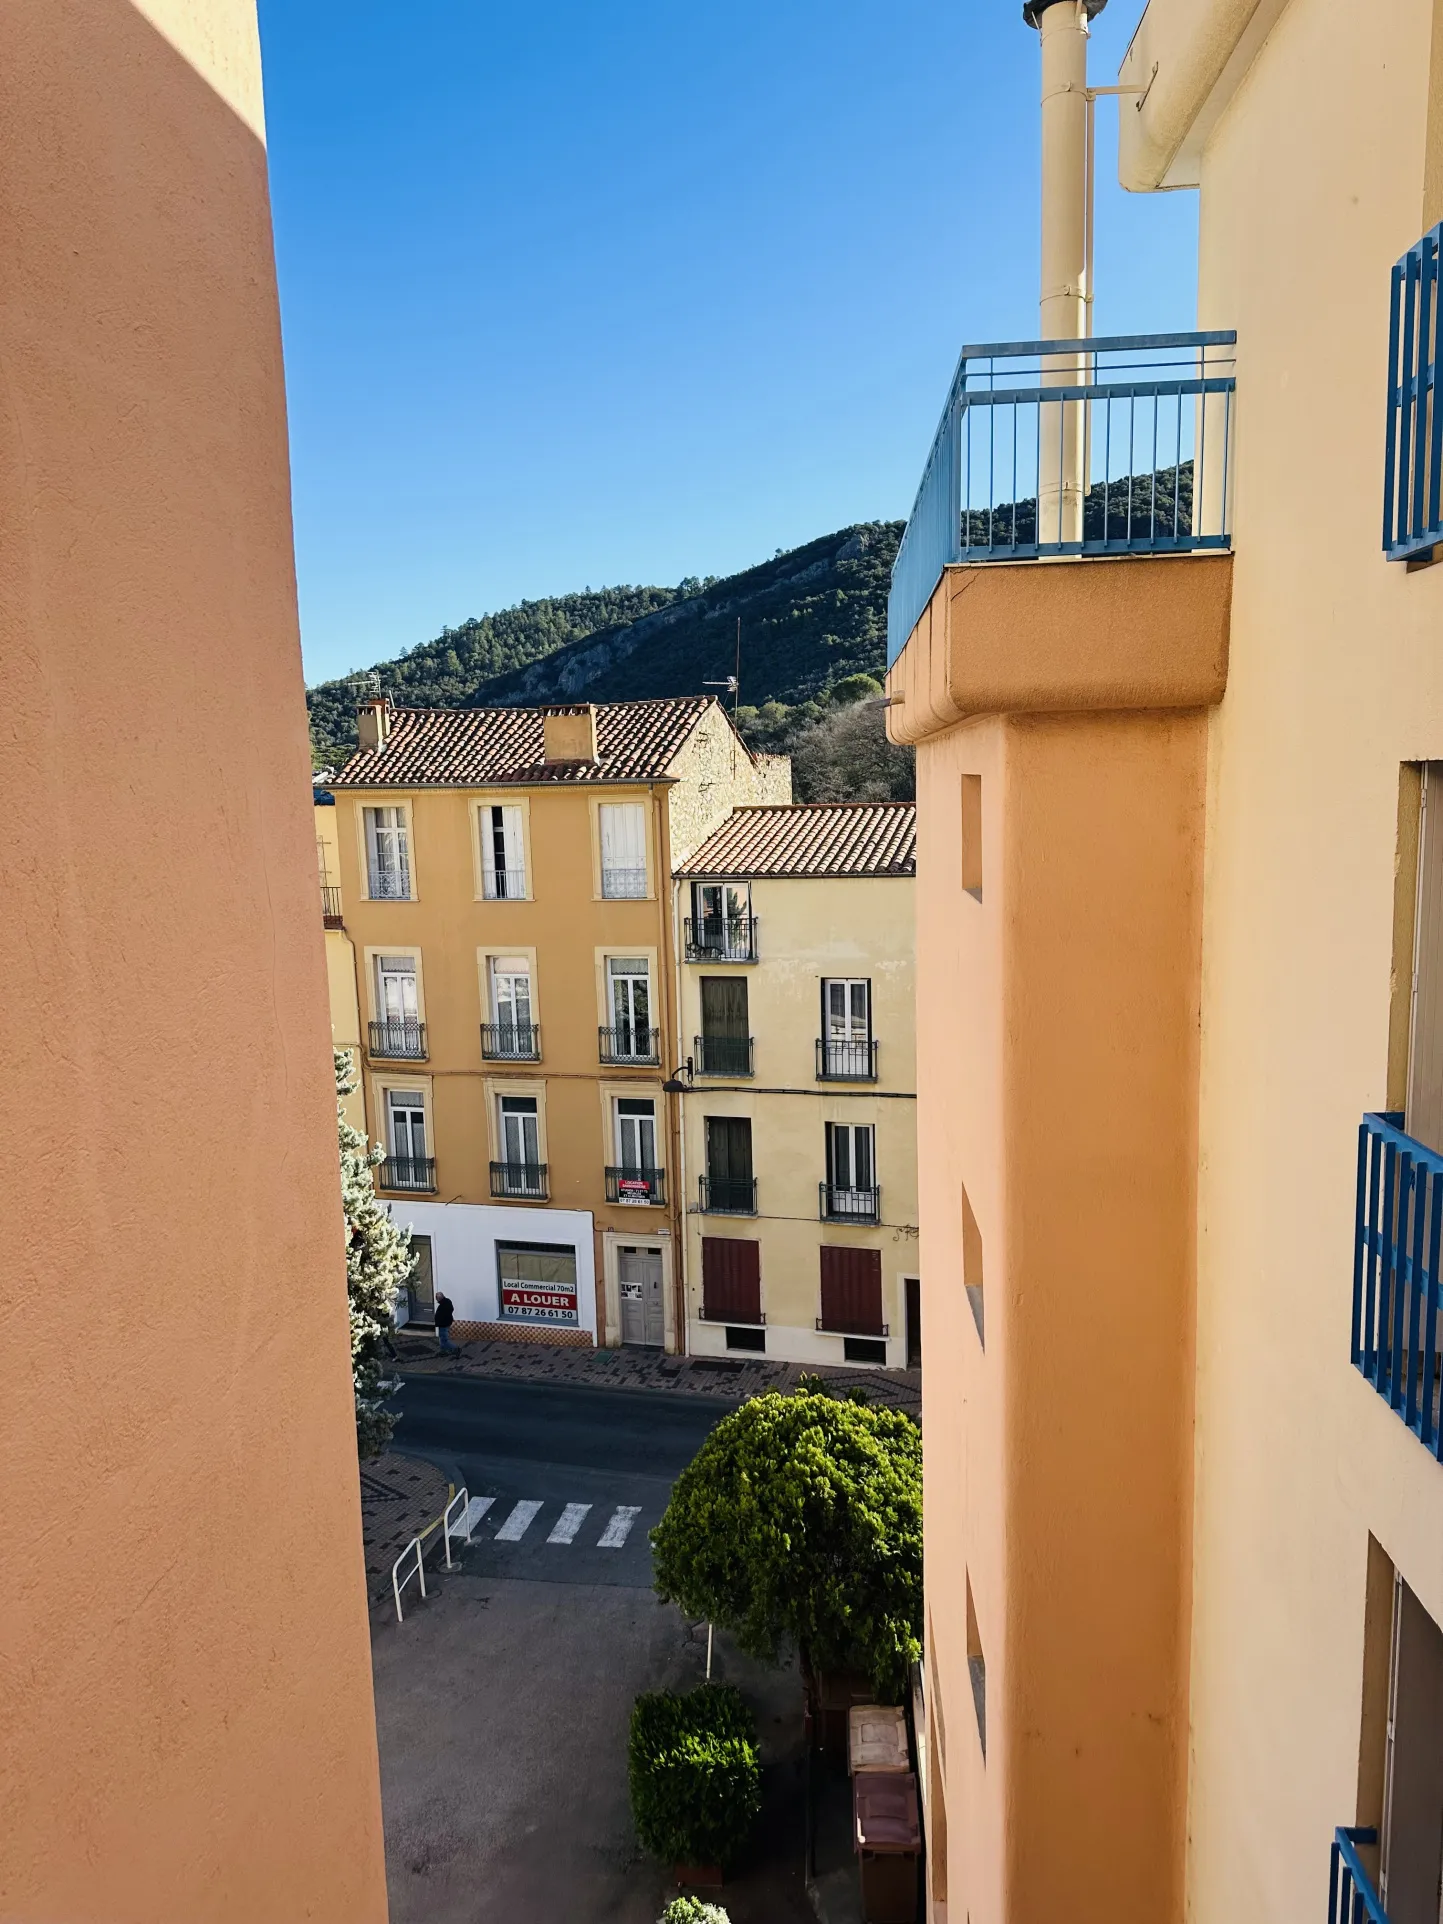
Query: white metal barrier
point(399, 1582)
point(454, 1522)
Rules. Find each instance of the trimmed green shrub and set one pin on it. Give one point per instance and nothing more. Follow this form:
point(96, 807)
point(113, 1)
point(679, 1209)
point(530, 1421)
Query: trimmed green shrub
point(800, 1519)
point(695, 1780)
point(691, 1910)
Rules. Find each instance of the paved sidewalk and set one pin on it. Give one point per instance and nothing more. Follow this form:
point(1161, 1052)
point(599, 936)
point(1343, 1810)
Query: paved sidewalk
point(732, 1378)
point(400, 1496)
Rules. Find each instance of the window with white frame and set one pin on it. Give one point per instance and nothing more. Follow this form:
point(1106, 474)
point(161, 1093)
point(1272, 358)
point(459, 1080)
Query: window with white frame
point(396, 999)
point(503, 853)
point(629, 996)
point(623, 849)
point(520, 1131)
point(406, 1131)
point(388, 855)
point(851, 1169)
point(514, 1033)
point(722, 919)
point(397, 1029)
point(635, 1133)
point(847, 1025)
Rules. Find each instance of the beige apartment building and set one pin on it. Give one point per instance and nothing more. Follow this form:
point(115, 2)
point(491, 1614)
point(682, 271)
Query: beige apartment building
point(795, 938)
point(1178, 712)
point(185, 1685)
point(496, 887)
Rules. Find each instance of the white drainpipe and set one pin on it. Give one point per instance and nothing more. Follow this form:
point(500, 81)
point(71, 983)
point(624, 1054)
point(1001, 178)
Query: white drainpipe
point(1065, 302)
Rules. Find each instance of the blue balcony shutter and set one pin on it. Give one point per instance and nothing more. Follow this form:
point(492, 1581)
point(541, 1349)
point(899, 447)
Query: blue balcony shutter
point(1425, 1033)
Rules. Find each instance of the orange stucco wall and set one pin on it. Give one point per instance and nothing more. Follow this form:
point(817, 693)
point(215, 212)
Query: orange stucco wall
point(184, 1685)
point(1058, 1474)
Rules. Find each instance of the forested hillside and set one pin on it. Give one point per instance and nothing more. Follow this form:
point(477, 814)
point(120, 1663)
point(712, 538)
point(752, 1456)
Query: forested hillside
point(810, 619)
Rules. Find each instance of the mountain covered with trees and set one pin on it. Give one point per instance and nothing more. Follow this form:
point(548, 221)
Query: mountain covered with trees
point(813, 643)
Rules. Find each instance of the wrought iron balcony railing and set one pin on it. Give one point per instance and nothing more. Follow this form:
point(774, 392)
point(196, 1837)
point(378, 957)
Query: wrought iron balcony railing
point(1397, 1292)
point(407, 1172)
point(636, 1185)
point(628, 1044)
point(723, 1055)
point(747, 1318)
point(331, 905)
point(1413, 446)
point(389, 884)
point(721, 938)
point(400, 1036)
point(525, 1181)
point(504, 885)
point(838, 1204)
point(846, 1061)
point(511, 1041)
point(840, 1325)
point(623, 884)
point(1116, 445)
point(728, 1195)
point(1351, 1896)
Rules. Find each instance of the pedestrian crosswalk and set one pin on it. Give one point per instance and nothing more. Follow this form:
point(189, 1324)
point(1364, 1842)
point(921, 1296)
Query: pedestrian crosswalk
point(569, 1528)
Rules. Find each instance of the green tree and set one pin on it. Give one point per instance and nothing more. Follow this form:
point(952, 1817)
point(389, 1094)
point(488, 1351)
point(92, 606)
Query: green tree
point(378, 1261)
point(800, 1518)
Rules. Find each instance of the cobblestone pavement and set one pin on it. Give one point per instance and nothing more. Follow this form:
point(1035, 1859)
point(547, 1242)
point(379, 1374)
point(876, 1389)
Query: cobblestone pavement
point(400, 1496)
point(733, 1378)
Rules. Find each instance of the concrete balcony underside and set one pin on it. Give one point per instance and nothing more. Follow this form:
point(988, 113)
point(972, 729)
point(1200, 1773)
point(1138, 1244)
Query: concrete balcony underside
point(1049, 637)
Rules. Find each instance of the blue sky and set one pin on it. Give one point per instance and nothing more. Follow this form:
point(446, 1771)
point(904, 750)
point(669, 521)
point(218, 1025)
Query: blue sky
point(576, 294)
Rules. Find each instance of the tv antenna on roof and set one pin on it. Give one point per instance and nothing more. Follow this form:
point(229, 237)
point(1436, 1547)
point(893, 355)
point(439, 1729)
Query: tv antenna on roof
point(733, 686)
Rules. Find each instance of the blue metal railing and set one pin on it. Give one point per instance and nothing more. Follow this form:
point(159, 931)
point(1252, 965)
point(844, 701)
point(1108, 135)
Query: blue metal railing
point(1413, 462)
point(1141, 423)
point(1397, 1298)
point(1351, 1897)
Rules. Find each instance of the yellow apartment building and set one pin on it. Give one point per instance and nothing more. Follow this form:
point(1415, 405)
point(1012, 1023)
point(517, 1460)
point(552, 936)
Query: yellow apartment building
point(501, 952)
point(185, 1679)
point(799, 1145)
point(1178, 713)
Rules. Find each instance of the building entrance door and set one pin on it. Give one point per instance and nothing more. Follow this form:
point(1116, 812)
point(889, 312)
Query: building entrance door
point(420, 1288)
point(914, 1322)
point(639, 1275)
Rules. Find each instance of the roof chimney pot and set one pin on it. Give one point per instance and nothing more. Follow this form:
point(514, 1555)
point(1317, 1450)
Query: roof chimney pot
point(569, 734)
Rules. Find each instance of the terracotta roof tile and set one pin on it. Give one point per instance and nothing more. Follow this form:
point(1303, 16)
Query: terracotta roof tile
point(811, 838)
point(636, 741)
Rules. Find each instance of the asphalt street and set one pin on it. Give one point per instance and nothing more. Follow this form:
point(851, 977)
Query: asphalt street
point(503, 1700)
point(576, 1476)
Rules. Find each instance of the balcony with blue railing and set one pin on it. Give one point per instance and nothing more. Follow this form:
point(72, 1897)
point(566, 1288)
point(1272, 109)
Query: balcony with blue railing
point(1051, 450)
point(1397, 1297)
point(1413, 458)
point(1352, 1898)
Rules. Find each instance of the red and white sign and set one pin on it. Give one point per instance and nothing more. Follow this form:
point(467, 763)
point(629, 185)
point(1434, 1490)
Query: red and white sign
point(538, 1302)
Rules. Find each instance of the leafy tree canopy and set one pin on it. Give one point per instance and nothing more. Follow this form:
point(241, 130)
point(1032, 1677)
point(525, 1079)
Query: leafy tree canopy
point(800, 1518)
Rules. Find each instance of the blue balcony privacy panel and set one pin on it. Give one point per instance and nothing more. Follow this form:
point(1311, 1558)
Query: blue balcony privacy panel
point(1151, 418)
point(1396, 1293)
point(1414, 447)
point(1351, 1897)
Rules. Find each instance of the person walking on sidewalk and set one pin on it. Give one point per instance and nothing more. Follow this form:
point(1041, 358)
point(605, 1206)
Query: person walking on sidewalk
point(445, 1315)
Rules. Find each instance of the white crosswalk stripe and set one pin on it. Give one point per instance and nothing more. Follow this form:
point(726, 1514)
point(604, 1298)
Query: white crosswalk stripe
point(569, 1522)
point(475, 1510)
point(619, 1528)
point(522, 1516)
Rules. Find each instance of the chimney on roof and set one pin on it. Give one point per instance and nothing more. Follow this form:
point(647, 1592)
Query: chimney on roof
point(569, 734)
point(373, 710)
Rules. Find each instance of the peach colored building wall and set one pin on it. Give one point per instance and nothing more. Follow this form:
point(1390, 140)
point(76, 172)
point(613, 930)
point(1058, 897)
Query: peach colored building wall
point(185, 1685)
point(1057, 1460)
point(1336, 680)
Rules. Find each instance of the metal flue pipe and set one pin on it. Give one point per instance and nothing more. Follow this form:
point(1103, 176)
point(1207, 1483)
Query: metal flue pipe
point(1063, 309)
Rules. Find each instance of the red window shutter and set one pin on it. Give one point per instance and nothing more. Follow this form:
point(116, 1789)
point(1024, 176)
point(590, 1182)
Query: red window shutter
point(852, 1291)
point(731, 1280)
